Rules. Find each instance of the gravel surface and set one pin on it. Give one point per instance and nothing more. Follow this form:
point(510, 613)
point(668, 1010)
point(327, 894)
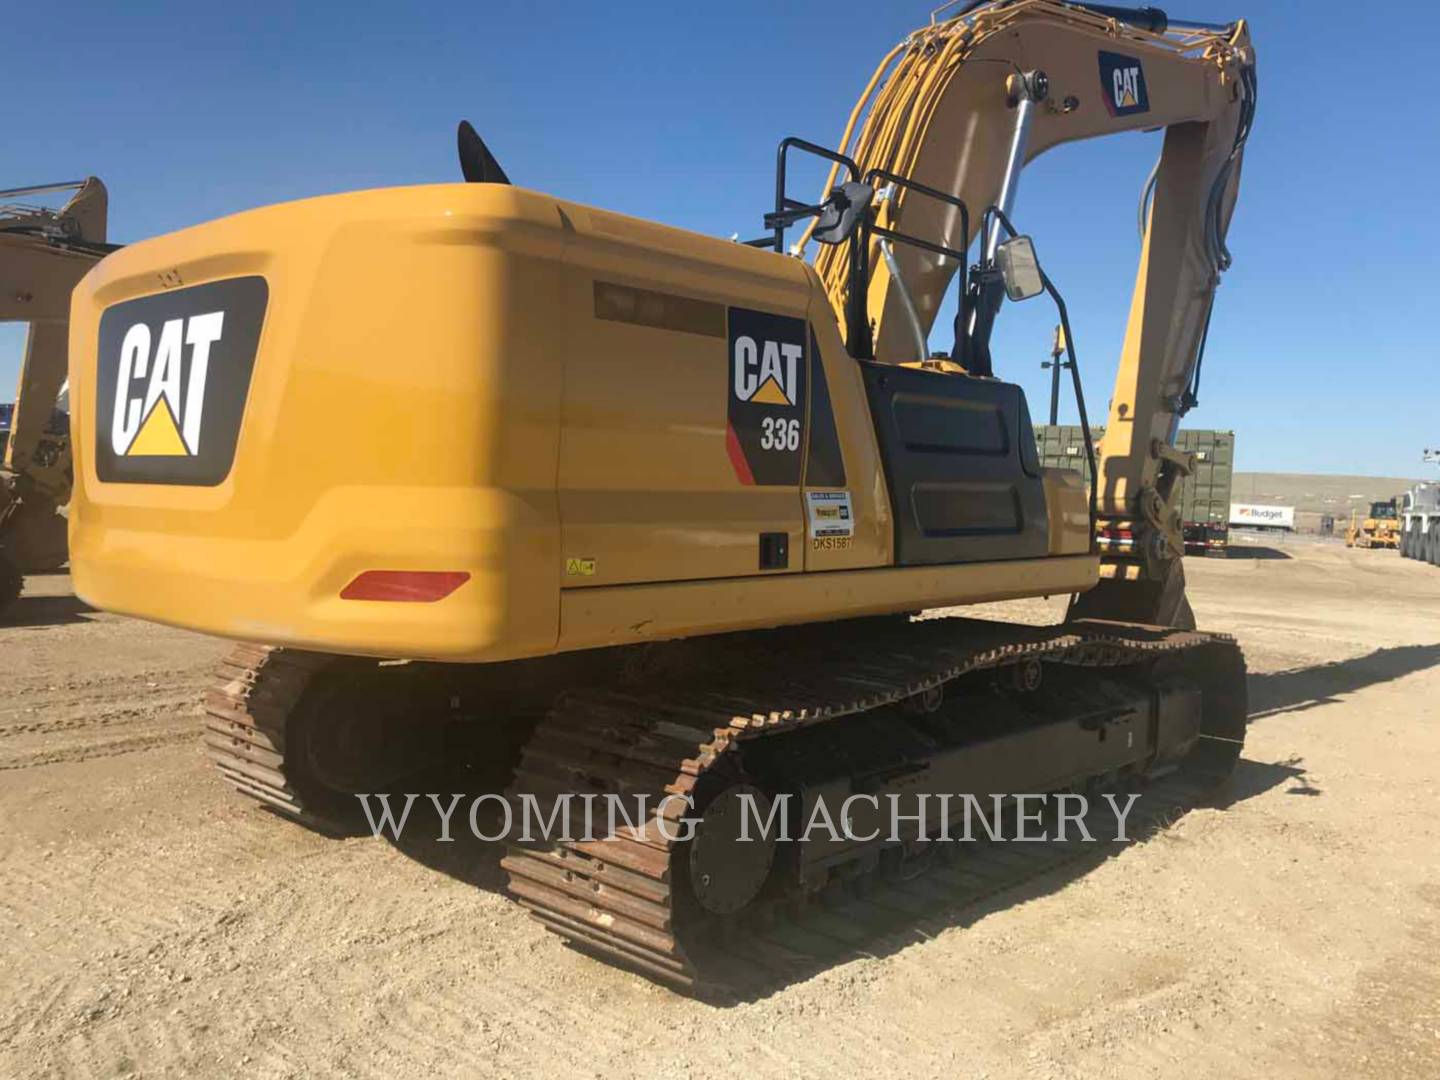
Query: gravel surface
point(153, 924)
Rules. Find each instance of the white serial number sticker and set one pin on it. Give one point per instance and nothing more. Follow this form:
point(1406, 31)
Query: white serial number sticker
point(829, 514)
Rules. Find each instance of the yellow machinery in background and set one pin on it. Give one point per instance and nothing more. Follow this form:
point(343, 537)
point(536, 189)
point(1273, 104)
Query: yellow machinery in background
point(646, 512)
point(43, 254)
point(1380, 528)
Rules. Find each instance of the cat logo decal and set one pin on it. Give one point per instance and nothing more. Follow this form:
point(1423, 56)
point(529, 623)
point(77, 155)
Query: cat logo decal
point(172, 377)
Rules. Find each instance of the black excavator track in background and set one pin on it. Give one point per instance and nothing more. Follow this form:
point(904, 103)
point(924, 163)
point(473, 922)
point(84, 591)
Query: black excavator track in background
point(870, 706)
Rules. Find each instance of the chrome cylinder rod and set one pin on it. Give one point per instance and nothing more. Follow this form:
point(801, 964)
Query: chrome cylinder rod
point(1014, 162)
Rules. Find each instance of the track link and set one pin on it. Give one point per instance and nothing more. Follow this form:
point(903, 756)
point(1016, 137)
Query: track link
point(624, 897)
point(255, 695)
point(628, 898)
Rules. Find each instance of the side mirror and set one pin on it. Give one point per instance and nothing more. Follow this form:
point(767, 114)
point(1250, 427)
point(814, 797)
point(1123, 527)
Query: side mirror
point(1020, 268)
point(842, 213)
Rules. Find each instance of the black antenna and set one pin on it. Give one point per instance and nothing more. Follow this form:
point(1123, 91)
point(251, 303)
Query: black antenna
point(476, 162)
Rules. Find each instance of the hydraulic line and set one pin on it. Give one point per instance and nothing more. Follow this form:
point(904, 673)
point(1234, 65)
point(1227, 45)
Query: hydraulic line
point(922, 347)
point(1147, 194)
point(890, 125)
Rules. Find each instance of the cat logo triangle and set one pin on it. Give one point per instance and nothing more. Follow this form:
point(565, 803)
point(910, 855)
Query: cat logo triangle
point(771, 394)
point(159, 435)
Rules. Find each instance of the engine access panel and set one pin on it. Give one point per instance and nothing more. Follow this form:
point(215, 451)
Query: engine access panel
point(960, 461)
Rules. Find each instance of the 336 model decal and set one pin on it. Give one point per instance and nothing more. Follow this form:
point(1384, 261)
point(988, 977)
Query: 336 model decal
point(766, 416)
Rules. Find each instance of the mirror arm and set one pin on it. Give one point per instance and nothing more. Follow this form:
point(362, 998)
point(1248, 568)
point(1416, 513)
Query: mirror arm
point(979, 304)
point(783, 219)
point(1064, 313)
point(993, 211)
point(987, 294)
point(858, 340)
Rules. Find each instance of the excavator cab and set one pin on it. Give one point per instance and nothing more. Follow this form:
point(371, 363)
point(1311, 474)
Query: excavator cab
point(958, 447)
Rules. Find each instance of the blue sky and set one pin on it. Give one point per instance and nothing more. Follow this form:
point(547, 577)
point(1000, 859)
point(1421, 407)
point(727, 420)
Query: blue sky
point(1321, 356)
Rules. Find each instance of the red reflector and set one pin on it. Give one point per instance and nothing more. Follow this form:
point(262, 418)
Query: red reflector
point(414, 586)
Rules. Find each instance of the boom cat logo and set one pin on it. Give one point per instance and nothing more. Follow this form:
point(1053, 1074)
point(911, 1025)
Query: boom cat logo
point(172, 376)
point(1122, 84)
point(766, 415)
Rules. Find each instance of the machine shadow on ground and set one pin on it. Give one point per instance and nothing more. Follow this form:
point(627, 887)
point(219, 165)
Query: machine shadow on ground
point(1298, 689)
point(967, 881)
point(961, 885)
point(1255, 552)
point(36, 611)
point(1253, 777)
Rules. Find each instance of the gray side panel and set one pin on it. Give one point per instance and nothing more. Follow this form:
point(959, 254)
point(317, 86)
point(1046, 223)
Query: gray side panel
point(961, 463)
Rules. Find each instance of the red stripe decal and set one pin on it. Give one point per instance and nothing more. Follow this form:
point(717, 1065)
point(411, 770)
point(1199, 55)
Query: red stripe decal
point(737, 456)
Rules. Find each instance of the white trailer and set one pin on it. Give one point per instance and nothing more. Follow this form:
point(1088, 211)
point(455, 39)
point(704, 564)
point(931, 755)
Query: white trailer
point(1420, 519)
point(1255, 516)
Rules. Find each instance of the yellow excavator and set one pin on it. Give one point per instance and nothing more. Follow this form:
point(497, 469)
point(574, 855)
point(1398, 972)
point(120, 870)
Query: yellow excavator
point(627, 510)
point(43, 254)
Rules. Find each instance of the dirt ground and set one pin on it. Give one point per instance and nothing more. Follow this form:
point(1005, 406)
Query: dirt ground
point(153, 924)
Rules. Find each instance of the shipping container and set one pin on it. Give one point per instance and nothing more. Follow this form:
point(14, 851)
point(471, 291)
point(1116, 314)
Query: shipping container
point(1204, 498)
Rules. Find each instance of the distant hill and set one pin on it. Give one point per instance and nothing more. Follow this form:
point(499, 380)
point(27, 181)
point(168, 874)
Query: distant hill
point(1336, 495)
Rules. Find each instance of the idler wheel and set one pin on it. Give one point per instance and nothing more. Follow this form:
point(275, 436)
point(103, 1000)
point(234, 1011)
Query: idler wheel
point(727, 872)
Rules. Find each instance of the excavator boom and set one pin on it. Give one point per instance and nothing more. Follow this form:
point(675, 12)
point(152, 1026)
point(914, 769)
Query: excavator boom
point(962, 104)
point(43, 254)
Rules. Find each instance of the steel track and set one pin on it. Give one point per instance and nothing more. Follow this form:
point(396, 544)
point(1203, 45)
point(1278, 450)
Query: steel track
point(625, 898)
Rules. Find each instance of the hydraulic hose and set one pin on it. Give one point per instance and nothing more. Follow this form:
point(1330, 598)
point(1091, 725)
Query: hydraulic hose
point(922, 346)
point(891, 124)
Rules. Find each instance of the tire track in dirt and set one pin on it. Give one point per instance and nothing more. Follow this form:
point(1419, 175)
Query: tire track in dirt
point(173, 932)
point(243, 955)
point(171, 939)
point(35, 701)
point(48, 723)
point(122, 744)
